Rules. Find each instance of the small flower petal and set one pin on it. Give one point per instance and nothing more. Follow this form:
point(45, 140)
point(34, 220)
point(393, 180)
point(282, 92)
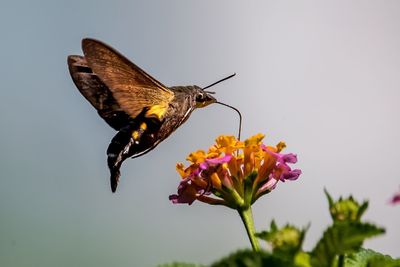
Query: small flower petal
point(289, 158)
point(291, 175)
point(395, 199)
point(226, 144)
point(280, 146)
point(186, 193)
point(216, 161)
point(197, 157)
point(254, 140)
point(215, 180)
point(181, 170)
point(268, 186)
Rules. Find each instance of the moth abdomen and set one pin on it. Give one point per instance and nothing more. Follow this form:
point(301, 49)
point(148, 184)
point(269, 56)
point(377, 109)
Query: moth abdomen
point(136, 137)
point(117, 153)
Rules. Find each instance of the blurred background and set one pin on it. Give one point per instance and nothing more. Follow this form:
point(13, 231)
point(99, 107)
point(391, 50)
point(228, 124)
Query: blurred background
point(321, 75)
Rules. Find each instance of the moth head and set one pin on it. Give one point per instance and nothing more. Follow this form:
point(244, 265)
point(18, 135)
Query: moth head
point(203, 98)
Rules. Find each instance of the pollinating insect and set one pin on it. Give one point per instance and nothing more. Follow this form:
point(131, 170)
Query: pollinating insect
point(142, 110)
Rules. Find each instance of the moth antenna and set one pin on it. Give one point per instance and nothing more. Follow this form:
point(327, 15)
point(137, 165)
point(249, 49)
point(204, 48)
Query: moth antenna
point(226, 78)
point(238, 112)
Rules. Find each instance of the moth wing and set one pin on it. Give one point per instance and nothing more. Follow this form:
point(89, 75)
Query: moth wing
point(133, 88)
point(96, 92)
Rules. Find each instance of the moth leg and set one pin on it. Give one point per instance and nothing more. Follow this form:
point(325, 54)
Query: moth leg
point(137, 134)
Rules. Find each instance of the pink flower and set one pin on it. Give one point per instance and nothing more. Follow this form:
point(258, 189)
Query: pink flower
point(395, 199)
point(282, 171)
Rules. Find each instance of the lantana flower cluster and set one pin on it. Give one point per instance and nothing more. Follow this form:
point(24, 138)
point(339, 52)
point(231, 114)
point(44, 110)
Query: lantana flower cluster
point(234, 173)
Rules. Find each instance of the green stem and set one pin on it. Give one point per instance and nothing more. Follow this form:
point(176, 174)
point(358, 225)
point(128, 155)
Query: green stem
point(247, 218)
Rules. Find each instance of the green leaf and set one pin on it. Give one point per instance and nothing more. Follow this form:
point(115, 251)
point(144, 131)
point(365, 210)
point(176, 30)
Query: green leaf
point(383, 262)
point(330, 199)
point(248, 258)
point(370, 258)
point(362, 209)
point(340, 239)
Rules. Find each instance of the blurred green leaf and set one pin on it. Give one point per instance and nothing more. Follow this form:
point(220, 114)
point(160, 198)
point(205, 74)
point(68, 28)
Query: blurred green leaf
point(345, 209)
point(340, 239)
point(302, 259)
point(180, 264)
point(370, 258)
point(248, 258)
point(287, 240)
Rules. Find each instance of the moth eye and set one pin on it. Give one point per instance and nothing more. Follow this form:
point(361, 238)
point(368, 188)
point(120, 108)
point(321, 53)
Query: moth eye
point(200, 98)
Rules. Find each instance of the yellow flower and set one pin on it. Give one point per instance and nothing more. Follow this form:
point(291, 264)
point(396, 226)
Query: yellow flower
point(280, 146)
point(197, 157)
point(226, 144)
point(185, 172)
point(254, 140)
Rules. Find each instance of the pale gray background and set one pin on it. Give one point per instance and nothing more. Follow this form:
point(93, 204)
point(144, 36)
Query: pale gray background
point(321, 75)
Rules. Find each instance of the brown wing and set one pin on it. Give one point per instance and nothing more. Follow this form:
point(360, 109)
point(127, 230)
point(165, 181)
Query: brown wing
point(133, 89)
point(96, 92)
